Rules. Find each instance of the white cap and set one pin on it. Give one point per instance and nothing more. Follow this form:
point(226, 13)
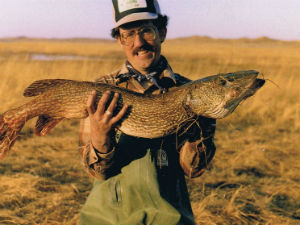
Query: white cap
point(126, 11)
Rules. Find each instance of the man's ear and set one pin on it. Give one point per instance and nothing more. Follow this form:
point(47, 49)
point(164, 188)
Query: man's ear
point(162, 34)
point(118, 40)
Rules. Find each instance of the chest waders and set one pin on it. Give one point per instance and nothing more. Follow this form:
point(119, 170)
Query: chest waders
point(148, 188)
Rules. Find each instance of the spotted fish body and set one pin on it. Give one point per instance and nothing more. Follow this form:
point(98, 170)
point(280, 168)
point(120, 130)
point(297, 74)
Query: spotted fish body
point(149, 116)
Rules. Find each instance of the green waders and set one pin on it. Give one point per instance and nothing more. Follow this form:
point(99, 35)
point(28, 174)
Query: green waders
point(148, 189)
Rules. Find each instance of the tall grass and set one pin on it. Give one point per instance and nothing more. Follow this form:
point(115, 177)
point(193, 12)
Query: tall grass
point(253, 179)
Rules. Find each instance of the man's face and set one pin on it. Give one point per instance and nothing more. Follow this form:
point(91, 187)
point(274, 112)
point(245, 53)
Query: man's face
point(141, 51)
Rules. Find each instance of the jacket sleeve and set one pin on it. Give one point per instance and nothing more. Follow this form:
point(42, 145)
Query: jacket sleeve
point(199, 149)
point(96, 163)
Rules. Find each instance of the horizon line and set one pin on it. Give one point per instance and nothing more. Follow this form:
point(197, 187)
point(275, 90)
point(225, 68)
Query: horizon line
point(111, 39)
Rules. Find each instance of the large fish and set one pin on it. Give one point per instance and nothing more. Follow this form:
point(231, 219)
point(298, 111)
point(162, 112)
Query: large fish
point(150, 116)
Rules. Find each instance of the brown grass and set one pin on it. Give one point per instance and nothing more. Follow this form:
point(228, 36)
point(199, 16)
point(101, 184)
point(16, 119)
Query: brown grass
point(253, 179)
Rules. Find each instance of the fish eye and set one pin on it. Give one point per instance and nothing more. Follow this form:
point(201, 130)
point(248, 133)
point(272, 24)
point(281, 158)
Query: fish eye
point(223, 82)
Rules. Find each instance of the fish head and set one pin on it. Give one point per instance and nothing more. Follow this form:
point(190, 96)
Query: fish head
point(217, 96)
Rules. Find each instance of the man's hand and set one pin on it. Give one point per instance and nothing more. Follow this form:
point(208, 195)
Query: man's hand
point(102, 121)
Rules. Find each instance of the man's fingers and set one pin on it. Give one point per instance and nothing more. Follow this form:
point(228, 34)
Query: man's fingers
point(90, 103)
point(112, 105)
point(108, 113)
point(102, 102)
point(119, 116)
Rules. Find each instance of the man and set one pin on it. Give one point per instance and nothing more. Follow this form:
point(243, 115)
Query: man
point(138, 180)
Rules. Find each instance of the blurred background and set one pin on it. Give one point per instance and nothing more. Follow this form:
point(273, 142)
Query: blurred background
point(278, 19)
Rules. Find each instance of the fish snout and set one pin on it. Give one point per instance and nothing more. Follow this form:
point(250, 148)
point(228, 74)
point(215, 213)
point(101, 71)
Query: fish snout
point(258, 83)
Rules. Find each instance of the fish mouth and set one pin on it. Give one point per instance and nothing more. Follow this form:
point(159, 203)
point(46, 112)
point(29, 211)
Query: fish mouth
point(256, 84)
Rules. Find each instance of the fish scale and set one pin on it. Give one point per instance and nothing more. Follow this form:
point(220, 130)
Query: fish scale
point(149, 116)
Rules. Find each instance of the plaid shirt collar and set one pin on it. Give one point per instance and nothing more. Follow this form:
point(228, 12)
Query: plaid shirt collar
point(144, 84)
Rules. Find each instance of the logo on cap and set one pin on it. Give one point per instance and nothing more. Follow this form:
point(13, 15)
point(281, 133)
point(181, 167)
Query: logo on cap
point(131, 4)
point(126, 11)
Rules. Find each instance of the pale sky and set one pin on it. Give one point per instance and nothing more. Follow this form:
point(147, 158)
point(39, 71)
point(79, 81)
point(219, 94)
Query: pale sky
point(279, 19)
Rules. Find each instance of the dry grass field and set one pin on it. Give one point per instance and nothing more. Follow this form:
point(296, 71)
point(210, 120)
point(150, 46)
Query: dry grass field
point(253, 179)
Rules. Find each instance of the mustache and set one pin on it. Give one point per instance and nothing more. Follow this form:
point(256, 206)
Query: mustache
point(144, 47)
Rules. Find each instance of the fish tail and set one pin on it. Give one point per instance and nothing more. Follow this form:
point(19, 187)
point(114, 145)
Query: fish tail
point(11, 124)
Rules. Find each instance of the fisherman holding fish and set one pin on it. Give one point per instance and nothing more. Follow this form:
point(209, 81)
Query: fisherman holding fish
point(138, 144)
point(139, 180)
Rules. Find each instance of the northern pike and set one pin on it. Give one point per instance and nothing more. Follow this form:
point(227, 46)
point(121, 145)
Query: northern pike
point(150, 116)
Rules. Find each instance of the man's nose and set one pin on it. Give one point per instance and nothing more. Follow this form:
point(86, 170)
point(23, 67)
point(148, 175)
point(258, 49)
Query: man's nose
point(139, 40)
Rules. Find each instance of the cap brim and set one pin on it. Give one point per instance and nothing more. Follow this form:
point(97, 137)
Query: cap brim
point(135, 17)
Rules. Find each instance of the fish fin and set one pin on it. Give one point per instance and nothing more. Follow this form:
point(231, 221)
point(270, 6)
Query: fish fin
point(40, 86)
point(44, 124)
point(10, 127)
